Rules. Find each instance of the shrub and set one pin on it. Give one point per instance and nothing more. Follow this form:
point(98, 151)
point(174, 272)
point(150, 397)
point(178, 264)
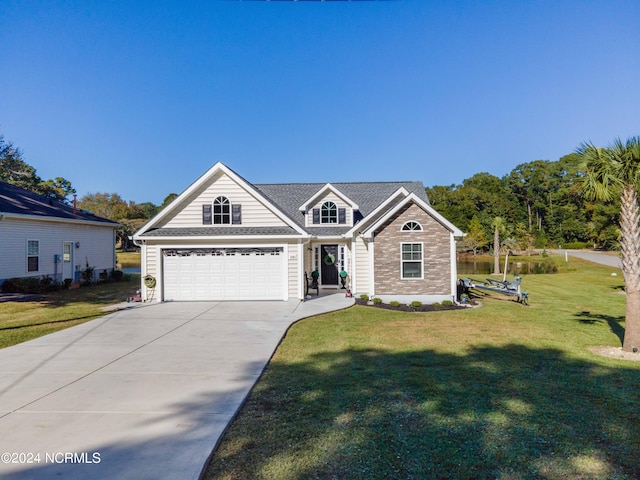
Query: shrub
point(436, 305)
point(416, 304)
point(364, 297)
point(377, 301)
point(576, 245)
point(87, 274)
point(29, 285)
point(394, 303)
point(447, 303)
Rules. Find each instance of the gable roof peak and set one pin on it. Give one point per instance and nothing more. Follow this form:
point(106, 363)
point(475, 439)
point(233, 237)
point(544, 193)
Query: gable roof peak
point(328, 187)
point(202, 182)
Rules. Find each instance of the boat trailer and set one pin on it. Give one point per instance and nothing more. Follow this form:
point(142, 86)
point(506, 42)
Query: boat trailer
point(505, 287)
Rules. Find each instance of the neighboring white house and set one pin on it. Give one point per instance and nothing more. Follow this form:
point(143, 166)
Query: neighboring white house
point(42, 237)
point(224, 238)
point(227, 239)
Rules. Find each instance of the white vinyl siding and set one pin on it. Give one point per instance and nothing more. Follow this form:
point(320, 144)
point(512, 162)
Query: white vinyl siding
point(294, 275)
point(151, 261)
point(254, 213)
point(361, 267)
point(96, 245)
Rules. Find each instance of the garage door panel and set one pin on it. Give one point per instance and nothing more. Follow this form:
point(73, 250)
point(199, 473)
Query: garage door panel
point(225, 274)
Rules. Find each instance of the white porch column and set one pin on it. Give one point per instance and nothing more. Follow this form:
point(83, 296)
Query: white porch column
point(372, 262)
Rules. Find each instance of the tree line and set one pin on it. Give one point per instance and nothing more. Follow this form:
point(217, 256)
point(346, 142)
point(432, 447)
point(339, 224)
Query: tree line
point(130, 215)
point(539, 204)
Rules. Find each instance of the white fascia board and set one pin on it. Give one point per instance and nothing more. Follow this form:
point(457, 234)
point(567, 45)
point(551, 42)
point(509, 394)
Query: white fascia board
point(412, 197)
point(178, 240)
point(319, 193)
point(219, 166)
point(178, 200)
point(330, 237)
point(40, 218)
point(262, 199)
point(401, 191)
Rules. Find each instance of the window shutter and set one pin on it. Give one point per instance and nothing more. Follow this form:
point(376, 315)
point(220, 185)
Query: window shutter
point(206, 214)
point(236, 214)
point(342, 215)
point(316, 215)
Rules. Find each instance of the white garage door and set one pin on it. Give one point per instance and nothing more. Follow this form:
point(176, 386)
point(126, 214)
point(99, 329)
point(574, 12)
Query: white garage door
point(225, 274)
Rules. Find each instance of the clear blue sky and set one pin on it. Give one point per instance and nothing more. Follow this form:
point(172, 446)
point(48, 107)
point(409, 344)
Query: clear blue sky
point(140, 98)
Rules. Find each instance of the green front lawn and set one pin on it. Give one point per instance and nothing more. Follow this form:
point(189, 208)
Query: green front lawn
point(22, 321)
point(502, 391)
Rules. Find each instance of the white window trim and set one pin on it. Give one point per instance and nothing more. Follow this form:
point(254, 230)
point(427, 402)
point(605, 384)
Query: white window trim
point(30, 256)
point(402, 261)
point(420, 229)
point(331, 213)
point(223, 203)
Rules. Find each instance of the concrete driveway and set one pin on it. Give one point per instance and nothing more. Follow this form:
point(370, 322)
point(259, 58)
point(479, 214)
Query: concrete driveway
point(143, 393)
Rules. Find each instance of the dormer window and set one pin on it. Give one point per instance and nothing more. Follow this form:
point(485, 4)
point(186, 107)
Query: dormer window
point(411, 226)
point(329, 213)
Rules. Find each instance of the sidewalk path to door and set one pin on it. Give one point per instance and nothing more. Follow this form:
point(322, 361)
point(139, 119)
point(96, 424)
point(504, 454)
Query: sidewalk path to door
point(142, 393)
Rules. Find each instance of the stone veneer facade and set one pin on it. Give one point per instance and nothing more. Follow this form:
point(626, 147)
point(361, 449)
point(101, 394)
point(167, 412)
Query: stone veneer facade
point(435, 239)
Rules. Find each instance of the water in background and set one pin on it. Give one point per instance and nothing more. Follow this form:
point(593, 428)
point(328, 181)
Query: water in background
point(469, 266)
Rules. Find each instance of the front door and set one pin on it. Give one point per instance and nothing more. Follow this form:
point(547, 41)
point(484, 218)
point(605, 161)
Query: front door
point(67, 261)
point(329, 264)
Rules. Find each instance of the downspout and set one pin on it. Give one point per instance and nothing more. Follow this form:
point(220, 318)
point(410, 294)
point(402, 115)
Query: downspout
point(143, 265)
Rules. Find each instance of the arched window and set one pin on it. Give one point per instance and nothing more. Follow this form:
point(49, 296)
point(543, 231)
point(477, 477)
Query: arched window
point(329, 213)
point(221, 211)
point(411, 226)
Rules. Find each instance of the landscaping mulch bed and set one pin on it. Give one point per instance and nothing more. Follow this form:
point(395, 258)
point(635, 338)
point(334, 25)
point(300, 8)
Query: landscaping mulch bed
point(409, 308)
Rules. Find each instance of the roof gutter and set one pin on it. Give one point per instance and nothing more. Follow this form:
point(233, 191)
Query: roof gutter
point(21, 216)
point(217, 237)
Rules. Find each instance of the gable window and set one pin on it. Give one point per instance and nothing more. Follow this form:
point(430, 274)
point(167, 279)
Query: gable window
point(411, 260)
point(411, 226)
point(221, 211)
point(33, 255)
point(329, 213)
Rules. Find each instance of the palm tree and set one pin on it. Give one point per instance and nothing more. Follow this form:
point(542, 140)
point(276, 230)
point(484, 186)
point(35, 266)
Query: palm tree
point(609, 172)
point(499, 227)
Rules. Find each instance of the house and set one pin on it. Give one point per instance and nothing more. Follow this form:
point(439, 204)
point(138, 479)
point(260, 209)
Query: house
point(41, 237)
point(224, 238)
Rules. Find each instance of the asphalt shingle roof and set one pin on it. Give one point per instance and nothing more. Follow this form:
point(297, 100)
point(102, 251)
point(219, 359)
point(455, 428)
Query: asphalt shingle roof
point(289, 197)
point(368, 195)
point(17, 200)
